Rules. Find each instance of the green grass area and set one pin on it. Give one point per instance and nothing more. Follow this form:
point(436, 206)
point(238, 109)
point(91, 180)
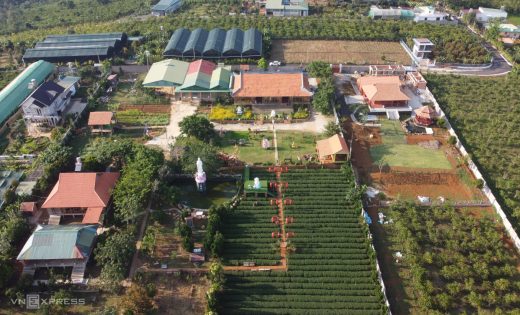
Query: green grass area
point(514, 19)
point(137, 117)
point(405, 155)
point(215, 194)
point(127, 93)
point(395, 152)
point(392, 132)
point(291, 144)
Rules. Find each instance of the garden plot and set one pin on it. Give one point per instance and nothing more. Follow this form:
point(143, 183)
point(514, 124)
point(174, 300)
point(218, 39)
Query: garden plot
point(339, 51)
point(330, 265)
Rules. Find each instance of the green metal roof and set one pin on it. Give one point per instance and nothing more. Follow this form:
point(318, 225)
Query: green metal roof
point(17, 91)
point(196, 42)
point(234, 42)
point(164, 5)
point(166, 73)
point(278, 5)
point(218, 81)
point(59, 242)
point(67, 52)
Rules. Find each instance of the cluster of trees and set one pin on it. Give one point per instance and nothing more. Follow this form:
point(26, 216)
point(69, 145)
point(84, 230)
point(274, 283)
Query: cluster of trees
point(213, 239)
point(457, 263)
point(492, 138)
point(467, 47)
point(324, 98)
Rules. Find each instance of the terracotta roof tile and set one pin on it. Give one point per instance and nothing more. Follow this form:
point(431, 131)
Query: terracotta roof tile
point(201, 65)
point(28, 207)
point(271, 85)
point(383, 88)
point(92, 216)
point(82, 190)
point(100, 118)
point(426, 112)
point(333, 145)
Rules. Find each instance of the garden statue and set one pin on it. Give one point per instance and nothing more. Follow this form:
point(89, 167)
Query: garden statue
point(273, 114)
point(78, 165)
point(266, 144)
point(200, 177)
point(240, 111)
point(256, 183)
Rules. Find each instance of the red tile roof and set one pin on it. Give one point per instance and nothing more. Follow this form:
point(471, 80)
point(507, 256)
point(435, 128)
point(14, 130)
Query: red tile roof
point(381, 89)
point(425, 112)
point(203, 66)
point(82, 190)
point(28, 207)
point(92, 216)
point(271, 85)
point(100, 118)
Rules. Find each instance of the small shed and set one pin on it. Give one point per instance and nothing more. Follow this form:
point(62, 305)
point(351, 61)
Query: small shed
point(101, 122)
point(425, 116)
point(332, 150)
point(31, 212)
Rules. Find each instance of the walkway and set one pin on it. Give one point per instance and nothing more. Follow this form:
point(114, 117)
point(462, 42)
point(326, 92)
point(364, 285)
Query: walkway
point(142, 229)
point(179, 110)
point(316, 124)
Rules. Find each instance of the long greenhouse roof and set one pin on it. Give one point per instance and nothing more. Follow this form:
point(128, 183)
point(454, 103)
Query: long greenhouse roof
point(66, 52)
point(76, 44)
point(69, 37)
point(200, 42)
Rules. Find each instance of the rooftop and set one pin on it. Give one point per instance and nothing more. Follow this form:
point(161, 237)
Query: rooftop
point(168, 72)
point(271, 85)
point(53, 242)
point(100, 118)
point(382, 88)
point(82, 190)
point(333, 145)
point(46, 94)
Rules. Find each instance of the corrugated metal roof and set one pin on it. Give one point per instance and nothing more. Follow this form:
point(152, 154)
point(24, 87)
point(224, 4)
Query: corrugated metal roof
point(215, 43)
point(293, 5)
point(196, 42)
point(234, 42)
point(164, 5)
point(168, 72)
point(77, 44)
point(17, 91)
point(59, 242)
point(220, 79)
point(67, 52)
point(177, 42)
point(98, 36)
point(252, 42)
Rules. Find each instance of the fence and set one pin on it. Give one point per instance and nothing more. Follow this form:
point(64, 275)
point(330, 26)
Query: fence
point(478, 175)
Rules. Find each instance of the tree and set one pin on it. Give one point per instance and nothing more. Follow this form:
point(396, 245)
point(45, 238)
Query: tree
point(331, 129)
point(319, 69)
point(186, 234)
point(262, 63)
point(197, 126)
point(493, 30)
point(188, 150)
point(137, 301)
point(217, 245)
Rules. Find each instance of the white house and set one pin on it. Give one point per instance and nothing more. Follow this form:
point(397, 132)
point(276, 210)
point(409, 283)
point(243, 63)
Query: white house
point(165, 7)
point(429, 14)
point(46, 104)
point(286, 8)
point(484, 15)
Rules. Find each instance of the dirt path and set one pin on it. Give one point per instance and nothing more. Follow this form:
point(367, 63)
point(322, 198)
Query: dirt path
point(178, 112)
point(316, 124)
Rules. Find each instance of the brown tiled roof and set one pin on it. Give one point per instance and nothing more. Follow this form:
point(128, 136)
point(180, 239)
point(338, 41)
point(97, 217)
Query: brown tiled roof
point(100, 118)
point(271, 85)
point(384, 88)
point(92, 216)
point(82, 190)
point(29, 207)
point(426, 112)
point(333, 145)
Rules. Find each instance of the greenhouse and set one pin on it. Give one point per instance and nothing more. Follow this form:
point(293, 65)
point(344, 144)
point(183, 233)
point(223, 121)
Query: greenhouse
point(77, 47)
point(217, 43)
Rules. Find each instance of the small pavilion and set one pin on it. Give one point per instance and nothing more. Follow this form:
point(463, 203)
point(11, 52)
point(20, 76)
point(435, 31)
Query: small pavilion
point(425, 116)
point(332, 150)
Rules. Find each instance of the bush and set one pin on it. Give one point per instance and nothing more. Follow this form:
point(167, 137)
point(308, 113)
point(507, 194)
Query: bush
point(452, 140)
point(479, 183)
point(301, 113)
point(220, 112)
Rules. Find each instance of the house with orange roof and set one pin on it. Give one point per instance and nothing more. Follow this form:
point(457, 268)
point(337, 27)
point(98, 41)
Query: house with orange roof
point(82, 196)
point(383, 93)
point(101, 122)
point(332, 150)
point(263, 90)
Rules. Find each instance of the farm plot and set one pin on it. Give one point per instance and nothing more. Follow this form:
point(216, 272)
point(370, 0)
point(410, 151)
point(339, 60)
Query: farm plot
point(330, 265)
point(339, 51)
point(247, 231)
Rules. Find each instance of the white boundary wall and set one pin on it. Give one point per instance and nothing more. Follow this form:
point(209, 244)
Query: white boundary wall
point(486, 190)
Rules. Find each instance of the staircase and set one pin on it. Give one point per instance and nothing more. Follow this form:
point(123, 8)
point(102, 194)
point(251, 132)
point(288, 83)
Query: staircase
point(78, 273)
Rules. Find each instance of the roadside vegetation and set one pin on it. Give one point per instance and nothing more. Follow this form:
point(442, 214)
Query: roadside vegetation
point(486, 118)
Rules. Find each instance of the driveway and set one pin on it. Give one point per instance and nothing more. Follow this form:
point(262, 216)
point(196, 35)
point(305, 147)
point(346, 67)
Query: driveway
point(316, 125)
point(178, 112)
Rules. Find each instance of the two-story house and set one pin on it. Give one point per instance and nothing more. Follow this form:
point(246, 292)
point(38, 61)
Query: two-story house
point(45, 106)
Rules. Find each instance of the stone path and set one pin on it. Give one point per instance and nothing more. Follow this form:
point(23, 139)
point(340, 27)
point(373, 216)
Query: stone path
point(178, 112)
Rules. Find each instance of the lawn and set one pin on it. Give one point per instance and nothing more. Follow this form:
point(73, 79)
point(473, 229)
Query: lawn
point(514, 19)
point(291, 144)
point(395, 152)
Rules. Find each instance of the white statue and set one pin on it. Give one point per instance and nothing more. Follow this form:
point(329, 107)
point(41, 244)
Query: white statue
point(266, 144)
point(273, 114)
point(240, 111)
point(200, 176)
point(256, 183)
point(199, 166)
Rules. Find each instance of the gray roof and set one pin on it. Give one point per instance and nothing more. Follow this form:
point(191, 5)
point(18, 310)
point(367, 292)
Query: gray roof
point(164, 5)
point(215, 43)
point(67, 52)
point(196, 42)
point(98, 36)
point(78, 43)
